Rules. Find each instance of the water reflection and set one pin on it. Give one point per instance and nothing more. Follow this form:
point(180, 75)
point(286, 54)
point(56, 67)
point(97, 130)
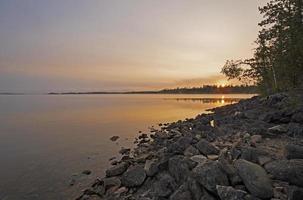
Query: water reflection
point(221, 100)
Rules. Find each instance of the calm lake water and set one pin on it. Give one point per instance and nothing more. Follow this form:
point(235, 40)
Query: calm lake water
point(46, 141)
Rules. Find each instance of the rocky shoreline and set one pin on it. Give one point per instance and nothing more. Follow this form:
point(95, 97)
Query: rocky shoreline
point(246, 151)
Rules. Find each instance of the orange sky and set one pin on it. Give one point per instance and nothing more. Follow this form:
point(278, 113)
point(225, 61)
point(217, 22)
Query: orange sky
point(121, 45)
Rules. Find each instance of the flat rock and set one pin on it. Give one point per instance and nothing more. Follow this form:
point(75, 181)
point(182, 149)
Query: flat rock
point(207, 148)
point(210, 175)
point(116, 170)
point(287, 170)
point(255, 178)
point(134, 176)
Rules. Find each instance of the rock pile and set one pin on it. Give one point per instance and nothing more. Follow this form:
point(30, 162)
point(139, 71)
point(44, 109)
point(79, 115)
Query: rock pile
point(246, 151)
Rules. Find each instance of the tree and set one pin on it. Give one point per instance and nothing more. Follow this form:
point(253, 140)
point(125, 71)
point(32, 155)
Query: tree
point(277, 63)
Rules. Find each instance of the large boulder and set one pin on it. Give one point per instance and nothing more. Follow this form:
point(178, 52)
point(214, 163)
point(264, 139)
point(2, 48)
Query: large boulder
point(229, 193)
point(287, 170)
point(293, 151)
point(206, 148)
point(255, 178)
point(195, 189)
point(116, 170)
point(164, 185)
point(210, 175)
point(134, 176)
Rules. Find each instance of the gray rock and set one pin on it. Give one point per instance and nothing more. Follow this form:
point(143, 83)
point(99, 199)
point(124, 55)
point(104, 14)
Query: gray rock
point(134, 176)
point(293, 151)
point(111, 182)
point(277, 130)
point(164, 186)
point(297, 117)
point(116, 170)
point(191, 151)
point(210, 175)
point(200, 159)
point(255, 178)
point(178, 167)
point(151, 167)
point(206, 148)
point(251, 154)
point(229, 193)
point(124, 151)
point(295, 193)
point(181, 193)
point(287, 170)
point(180, 145)
point(295, 129)
point(195, 189)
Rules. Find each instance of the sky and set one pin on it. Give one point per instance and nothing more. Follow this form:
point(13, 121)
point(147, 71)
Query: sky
point(119, 45)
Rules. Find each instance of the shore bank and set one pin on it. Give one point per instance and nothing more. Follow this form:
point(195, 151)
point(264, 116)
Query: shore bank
point(249, 150)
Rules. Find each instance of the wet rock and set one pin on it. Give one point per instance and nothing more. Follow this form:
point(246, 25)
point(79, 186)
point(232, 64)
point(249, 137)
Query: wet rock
point(287, 170)
point(181, 193)
point(191, 151)
point(114, 138)
point(116, 170)
point(255, 178)
point(124, 151)
point(229, 193)
point(277, 130)
point(151, 167)
point(207, 148)
point(293, 151)
point(134, 176)
point(210, 175)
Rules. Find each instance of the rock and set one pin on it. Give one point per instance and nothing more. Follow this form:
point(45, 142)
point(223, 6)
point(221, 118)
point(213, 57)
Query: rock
point(111, 182)
point(277, 130)
point(293, 151)
point(124, 151)
point(151, 167)
point(181, 193)
point(229, 193)
point(255, 178)
point(180, 145)
point(116, 170)
point(212, 157)
point(295, 129)
point(251, 154)
point(287, 170)
point(295, 193)
point(195, 189)
point(297, 117)
point(164, 186)
point(256, 139)
point(178, 167)
point(114, 138)
point(134, 176)
point(210, 175)
point(199, 159)
point(207, 148)
point(191, 151)
point(262, 160)
point(86, 172)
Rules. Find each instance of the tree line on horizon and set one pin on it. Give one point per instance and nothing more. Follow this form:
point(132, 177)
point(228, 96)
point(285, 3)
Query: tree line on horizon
point(277, 63)
point(213, 89)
